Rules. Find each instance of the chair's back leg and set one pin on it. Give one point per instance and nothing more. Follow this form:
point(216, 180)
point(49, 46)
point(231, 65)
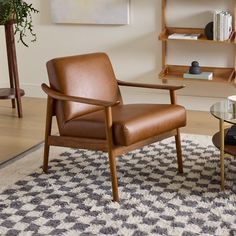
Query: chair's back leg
point(179, 151)
point(112, 158)
point(47, 132)
point(112, 162)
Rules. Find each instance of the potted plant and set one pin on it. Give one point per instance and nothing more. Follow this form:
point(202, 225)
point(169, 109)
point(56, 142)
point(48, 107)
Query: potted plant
point(20, 12)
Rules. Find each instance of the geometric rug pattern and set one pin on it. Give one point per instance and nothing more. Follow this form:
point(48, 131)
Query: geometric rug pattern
point(75, 197)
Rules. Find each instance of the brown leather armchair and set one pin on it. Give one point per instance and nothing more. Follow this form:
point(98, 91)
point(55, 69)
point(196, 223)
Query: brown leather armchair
point(85, 98)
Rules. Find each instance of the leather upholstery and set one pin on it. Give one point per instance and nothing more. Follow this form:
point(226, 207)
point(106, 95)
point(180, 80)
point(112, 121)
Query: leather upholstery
point(92, 76)
point(116, 129)
point(89, 76)
point(131, 123)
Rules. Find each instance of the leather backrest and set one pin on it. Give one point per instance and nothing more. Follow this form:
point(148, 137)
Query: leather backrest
point(89, 75)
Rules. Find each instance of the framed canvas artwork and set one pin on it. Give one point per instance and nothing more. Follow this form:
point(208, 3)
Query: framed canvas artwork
point(114, 12)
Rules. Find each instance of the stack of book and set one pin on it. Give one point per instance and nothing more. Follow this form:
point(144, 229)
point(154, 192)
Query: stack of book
point(203, 75)
point(222, 25)
point(184, 36)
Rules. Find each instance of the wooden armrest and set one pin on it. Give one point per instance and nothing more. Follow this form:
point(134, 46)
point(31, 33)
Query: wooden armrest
point(151, 86)
point(59, 96)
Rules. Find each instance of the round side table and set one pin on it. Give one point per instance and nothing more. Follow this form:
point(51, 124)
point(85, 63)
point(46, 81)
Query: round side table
point(225, 111)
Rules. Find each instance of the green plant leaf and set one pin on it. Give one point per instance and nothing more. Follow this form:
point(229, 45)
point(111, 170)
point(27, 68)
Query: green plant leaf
point(21, 12)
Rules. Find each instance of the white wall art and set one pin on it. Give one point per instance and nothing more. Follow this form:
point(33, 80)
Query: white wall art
point(114, 12)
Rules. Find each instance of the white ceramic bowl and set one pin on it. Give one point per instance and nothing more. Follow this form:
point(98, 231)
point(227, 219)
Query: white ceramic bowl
point(232, 98)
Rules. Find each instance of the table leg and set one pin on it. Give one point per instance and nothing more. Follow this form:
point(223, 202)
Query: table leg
point(13, 62)
point(10, 68)
point(222, 154)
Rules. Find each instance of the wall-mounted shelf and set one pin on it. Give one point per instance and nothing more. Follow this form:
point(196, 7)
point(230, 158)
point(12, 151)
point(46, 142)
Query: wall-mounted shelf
point(225, 75)
point(175, 72)
point(171, 30)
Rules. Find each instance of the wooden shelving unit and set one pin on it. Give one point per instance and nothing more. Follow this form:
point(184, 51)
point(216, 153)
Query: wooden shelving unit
point(175, 72)
point(171, 30)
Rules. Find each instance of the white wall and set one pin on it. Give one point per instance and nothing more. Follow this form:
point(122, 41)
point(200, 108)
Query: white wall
point(134, 50)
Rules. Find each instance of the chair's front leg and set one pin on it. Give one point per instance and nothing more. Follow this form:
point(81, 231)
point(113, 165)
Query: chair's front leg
point(47, 133)
point(112, 158)
point(179, 151)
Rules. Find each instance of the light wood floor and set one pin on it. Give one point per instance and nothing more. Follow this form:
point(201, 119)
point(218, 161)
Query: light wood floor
point(18, 135)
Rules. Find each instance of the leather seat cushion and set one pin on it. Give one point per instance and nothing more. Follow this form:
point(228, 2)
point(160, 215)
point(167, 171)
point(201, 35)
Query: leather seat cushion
point(131, 123)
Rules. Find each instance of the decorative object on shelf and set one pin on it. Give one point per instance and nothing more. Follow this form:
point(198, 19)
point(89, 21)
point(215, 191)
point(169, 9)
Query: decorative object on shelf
point(209, 30)
point(112, 12)
point(194, 68)
point(195, 72)
point(20, 12)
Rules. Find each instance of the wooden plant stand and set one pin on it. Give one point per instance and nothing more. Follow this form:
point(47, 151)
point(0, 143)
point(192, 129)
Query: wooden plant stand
point(14, 92)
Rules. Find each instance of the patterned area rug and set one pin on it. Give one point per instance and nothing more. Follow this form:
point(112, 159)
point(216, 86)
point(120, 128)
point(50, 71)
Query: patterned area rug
point(75, 198)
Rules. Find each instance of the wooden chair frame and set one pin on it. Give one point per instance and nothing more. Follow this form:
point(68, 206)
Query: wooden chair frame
point(104, 145)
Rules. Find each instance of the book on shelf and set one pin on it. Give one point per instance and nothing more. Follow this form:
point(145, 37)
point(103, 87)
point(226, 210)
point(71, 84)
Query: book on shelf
point(201, 76)
point(184, 36)
point(222, 25)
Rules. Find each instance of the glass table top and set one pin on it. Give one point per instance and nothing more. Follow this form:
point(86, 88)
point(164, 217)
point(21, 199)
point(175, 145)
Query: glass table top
point(225, 110)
